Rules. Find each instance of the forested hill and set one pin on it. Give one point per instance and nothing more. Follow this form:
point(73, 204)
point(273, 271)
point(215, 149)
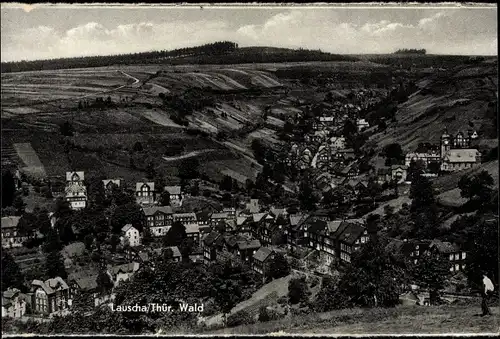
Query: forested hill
point(215, 53)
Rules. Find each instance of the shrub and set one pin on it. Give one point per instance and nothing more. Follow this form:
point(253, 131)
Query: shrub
point(264, 314)
point(298, 290)
point(240, 318)
point(283, 300)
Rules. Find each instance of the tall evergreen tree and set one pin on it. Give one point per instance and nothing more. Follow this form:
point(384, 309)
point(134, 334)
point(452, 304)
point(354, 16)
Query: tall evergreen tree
point(11, 274)
point(54, 265)
point(423, 208)
point(8, 187)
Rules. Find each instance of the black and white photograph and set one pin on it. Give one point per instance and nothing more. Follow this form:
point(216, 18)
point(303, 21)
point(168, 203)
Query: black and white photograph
point(249, 169)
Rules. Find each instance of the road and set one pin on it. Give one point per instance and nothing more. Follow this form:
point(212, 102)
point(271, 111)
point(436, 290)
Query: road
point(188, 155)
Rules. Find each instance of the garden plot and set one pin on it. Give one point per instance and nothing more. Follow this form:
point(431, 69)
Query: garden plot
point(28, 155)
point(157, 117)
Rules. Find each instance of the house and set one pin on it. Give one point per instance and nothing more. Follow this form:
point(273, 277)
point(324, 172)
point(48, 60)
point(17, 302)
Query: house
point(13, 304)
point(253, 206)
point(196, 255)
point(122, 272)
point(432, 156)
point(337, 143)
point(451, 252)
point(185, 218)
point(176, 253)
point(57, 188)
point(71, 252)
point(193, 232)
point(296, 233)
point(350, 172)
point(350, 235)
point(243, 225)
point(175, 194)
point(460, 159)
point(247, 248)
point(266, 228)
point(50, 296)
point(362, 124)
point(384, 175)
point(203, 218)
point(231, 212)
point(75, 191)
point(412, 250)
point(11, 237)
point(230, 242)
point(212, 243)
point(158, 219)
point(345, 154)
point(217, 217)
point(109, 184)
point(261, 259)
point(399, 173)
point(130, 235)
point(145, 193)
point(85, 281)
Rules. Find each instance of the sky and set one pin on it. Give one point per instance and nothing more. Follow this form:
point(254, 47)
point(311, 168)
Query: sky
point(45, 32)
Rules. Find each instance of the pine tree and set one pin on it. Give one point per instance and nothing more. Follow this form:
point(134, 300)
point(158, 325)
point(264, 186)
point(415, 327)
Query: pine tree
point(11, 274)
point(8, 187)
point(54, 265)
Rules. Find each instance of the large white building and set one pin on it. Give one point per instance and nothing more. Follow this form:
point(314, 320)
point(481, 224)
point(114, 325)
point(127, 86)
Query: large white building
point(130, 235)
point(75, 191)
point(455, 153)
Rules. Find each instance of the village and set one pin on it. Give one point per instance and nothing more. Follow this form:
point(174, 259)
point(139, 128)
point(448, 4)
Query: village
point(158, 226)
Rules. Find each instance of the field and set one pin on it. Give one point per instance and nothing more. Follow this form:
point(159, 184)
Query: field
point(35, 104)
point(455, 319)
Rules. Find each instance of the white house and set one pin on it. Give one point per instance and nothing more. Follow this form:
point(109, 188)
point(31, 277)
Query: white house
point(362, 124)
point(131, 235)
point(13, 306)
point(75, 191)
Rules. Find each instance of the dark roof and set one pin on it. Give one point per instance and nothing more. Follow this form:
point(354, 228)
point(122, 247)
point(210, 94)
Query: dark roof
point(262, 254)
point(87, 283)
point(383, 171)
point(444, 247)
point(232, 240)
point(252, 244)
point(317, 226)
point(395, 246)
point(211, 238)
point(155, 209)
point(349, 232)
point(203, 215)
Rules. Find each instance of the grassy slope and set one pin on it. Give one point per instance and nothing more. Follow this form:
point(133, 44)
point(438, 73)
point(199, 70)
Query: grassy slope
point(401, 320)
point(451, 99)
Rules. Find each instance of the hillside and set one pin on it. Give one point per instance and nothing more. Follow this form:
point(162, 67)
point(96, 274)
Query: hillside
point(459, 98)
point(456, 319)
point(216, 53)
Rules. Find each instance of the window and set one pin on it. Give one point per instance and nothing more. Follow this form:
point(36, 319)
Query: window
point(457, 256)
point(451, 257)
point(457, 267)
point(463, 255)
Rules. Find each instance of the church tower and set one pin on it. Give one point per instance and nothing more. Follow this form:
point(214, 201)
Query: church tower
point(445, 143)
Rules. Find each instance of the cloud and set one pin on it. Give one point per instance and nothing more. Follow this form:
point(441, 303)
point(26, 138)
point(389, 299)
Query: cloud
point(450, 32)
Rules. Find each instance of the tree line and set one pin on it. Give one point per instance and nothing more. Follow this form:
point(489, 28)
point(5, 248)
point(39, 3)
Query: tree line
point(411, 51)
point(131, 58)
point(215, 53)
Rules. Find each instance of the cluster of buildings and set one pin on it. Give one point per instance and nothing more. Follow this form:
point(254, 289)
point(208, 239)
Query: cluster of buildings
point(455, 153)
